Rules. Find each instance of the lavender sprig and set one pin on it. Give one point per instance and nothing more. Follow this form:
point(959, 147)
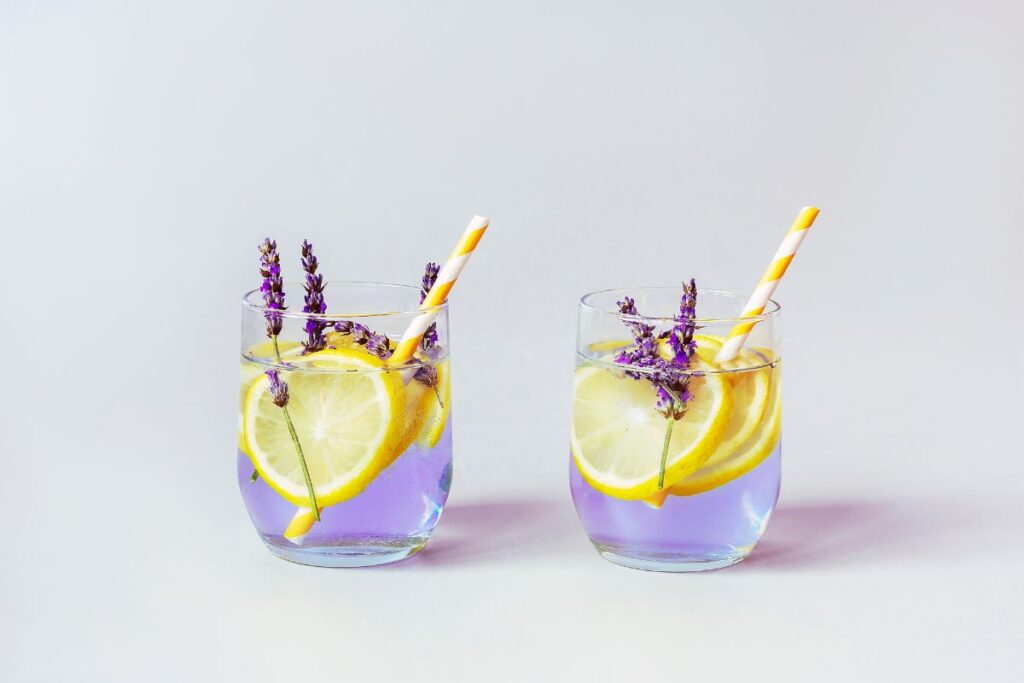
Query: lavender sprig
point(278, 389)
point(644, 353)
point(671, 378)
point(377, 344)
point(427, 374)
point(279, 393)
point(272, 287)
point(426, 284)
point(273, 298)
point(314, 299)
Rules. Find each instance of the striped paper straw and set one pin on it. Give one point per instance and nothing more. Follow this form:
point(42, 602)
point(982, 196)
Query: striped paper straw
point(303, 519)
point(769, 281)
point(439, 292)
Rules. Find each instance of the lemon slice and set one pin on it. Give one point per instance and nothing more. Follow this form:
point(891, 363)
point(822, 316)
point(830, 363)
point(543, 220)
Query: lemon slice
point(758, 446)
point(348, 418)
point(417, 397)
point(750, 389)
point(707, 346)
point(618, 435)
point(435, 415)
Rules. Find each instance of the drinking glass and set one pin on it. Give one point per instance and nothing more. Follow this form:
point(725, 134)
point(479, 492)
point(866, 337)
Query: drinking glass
point(657, 493)
point(371, 442)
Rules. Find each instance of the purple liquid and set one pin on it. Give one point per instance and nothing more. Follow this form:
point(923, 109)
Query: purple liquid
point(390, 519)
point(711, 529)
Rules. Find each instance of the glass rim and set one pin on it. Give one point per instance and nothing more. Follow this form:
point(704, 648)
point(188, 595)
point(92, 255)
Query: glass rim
point(772, 309)
point(253, 301)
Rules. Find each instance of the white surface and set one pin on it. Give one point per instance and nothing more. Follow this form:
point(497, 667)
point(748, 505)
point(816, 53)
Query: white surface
point(146, 152)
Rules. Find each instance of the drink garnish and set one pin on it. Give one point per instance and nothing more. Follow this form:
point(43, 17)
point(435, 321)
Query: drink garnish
point(426, 284)
point(427, 374)
point(670, 377)
point(314, 286)
point(273, 297)
point(377, 344)
point(272, 288)
point(402, 355)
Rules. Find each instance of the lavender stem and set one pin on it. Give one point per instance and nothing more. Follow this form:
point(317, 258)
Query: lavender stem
point(664, 452)
point(281, 400)
point(302, 462)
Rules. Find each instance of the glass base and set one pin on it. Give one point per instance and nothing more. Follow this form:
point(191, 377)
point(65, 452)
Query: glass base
point(658, 562)
point(364, 553)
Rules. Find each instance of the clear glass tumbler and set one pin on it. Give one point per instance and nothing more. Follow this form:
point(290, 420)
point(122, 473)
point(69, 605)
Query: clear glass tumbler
point(368, 441)
point(670, 492)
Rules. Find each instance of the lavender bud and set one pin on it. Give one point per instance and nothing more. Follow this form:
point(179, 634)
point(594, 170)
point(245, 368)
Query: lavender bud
point(429, 278)
point(671, 378)
point(426, 284)
point(278, 389)
point(426, 374)
point(272, 287)
point(314, 301)
point(379, 345)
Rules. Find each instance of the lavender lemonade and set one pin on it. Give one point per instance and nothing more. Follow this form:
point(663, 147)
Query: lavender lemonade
point(395, 513)
point(675, 451)
point(344, 445)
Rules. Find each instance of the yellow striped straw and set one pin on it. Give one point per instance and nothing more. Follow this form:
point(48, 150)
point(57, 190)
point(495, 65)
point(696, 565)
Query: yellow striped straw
point(438, 294)
point(304, 518)
point(769, 281)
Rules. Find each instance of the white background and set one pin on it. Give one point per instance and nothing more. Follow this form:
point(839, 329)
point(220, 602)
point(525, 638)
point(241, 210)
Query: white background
point(146, 149)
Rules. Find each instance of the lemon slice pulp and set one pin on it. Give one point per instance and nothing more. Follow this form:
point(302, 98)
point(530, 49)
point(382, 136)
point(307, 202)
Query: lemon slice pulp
point(618, 435)
point(745, 457)
point(347, 409)
point(750, 390)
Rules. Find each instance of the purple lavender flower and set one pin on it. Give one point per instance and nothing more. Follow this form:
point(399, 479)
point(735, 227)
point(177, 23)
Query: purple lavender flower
point(429, 278)
point(272, 287)
point(426, 374)
point(640, 329)
point(377, 344)
point(314, 299)
point(670, 378)
point(681, 336)
point(644, 353)
point(344, 326)
point(278, 389)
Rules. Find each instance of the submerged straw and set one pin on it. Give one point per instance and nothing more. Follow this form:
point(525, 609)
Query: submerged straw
point(769, 281)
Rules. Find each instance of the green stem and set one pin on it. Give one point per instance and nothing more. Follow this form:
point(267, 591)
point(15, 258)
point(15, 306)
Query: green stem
point(298, 447)
point(302, 462)
point(664, 452)
point(438, 394)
